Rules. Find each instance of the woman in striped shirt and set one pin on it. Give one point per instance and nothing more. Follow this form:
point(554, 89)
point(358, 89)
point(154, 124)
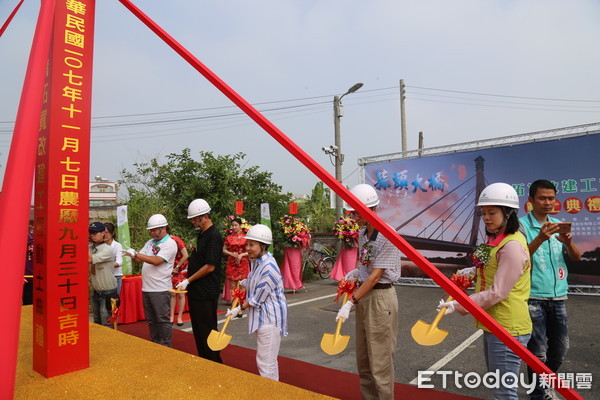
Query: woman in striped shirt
point(265, 301)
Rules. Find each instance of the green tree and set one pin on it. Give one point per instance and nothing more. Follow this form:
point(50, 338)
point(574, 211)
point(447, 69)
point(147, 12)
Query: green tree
point(317, 211)
point(168, 188)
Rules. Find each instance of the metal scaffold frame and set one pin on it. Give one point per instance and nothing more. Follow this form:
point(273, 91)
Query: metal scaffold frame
point(532, 137)
point(551, 134)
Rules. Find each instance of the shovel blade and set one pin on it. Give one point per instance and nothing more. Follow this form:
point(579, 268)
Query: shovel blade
point(426, 335)
point(334, 344)
point(218, 340)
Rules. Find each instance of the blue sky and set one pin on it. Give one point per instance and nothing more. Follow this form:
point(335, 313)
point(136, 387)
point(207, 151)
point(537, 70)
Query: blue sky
point(292, 57)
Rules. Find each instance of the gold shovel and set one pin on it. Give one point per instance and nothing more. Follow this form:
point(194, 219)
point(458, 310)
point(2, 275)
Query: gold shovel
point(219, 340)
point(336, 343)
point(113, 307)
point(430, 335)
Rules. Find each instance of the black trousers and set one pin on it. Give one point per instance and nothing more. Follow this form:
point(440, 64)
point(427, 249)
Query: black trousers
point(203, 314)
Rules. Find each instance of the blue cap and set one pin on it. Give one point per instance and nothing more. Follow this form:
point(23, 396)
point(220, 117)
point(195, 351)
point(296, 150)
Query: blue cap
point(97, 227)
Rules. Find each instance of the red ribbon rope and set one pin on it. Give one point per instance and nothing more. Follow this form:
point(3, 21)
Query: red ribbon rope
point(114, 316)
point(345, 287)
point(238, 294)
point(463, 282)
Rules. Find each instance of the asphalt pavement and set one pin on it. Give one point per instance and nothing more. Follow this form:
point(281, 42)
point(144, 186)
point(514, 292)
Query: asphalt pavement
point(312, 313)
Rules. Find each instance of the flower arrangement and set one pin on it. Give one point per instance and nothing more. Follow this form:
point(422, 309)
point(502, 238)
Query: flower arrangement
point(245, 225)
point(481, 256)
point(295, 231)
point(346, 230)
point(366, 253)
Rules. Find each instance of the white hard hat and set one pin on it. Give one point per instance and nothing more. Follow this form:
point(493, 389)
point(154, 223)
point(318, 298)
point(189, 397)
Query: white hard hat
point(366, 194)
point(157, 221)
point(260, 233)
point(198, 207)
point(499, 194)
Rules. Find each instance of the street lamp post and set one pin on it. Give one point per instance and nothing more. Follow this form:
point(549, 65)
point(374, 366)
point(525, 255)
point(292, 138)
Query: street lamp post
point(338, 112)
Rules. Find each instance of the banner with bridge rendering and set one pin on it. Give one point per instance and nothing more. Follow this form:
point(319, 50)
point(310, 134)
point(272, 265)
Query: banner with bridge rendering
point(431, 200)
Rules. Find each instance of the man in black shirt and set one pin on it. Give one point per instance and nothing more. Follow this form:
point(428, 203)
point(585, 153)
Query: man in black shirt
point(204, 278)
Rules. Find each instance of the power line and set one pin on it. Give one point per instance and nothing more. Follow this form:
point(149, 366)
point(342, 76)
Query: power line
point(498, 106)
point(302, 108)
point(224, 117)
point(503, 95)
point(509, 102)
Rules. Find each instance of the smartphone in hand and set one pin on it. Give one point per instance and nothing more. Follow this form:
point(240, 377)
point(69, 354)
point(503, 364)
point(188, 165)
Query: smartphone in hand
point(564, 227)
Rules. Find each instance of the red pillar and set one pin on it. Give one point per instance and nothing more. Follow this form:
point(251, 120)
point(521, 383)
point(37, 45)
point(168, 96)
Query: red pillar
point(15, 200)
point(60, 296)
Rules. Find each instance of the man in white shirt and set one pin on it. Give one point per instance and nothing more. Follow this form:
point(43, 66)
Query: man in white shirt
point(158, 255)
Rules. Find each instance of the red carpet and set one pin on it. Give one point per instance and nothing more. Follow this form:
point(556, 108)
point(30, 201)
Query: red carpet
point(330, 382)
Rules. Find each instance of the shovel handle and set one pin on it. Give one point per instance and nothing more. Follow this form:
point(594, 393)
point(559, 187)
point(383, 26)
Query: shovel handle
point(233, 305)
point(440, 314)
point(340, 321)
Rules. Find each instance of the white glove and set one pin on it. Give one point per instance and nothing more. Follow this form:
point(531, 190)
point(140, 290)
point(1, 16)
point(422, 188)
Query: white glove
point(449, 306)
point(129, 252)
point(234, 312)
point(243, 282)
point(466, 271)
point(352, 275)
point(344, 312)
point(183, 285)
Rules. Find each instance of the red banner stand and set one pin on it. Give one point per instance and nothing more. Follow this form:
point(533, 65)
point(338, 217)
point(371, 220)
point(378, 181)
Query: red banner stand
point(60, 299)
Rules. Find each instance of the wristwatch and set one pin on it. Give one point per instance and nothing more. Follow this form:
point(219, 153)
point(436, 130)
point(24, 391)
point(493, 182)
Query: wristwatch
point(354, 300)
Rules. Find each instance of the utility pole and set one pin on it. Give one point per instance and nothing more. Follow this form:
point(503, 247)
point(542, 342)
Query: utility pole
point(338, 112)
point(403, 116)
point(420, 143)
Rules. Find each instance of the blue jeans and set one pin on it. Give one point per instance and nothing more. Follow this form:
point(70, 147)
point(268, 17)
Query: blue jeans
point(550, 337)
point(119, 279)
point(499, 356)
point(101, 305)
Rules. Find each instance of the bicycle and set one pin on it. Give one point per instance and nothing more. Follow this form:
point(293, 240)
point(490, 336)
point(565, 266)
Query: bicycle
point(321, 259)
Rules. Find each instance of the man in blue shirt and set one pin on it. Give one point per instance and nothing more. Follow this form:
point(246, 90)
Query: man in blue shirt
point(550, 337)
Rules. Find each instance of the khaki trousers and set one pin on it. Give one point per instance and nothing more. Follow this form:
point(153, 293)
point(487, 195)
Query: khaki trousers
point(376, 333)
